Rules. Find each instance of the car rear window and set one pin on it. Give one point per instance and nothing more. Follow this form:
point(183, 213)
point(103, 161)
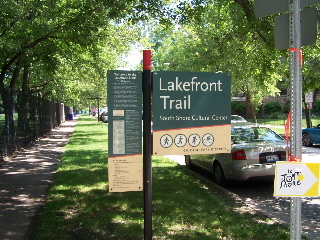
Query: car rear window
point(254, 134)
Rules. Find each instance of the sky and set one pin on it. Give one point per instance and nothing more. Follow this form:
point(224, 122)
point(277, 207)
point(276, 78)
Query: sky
point(133, 58)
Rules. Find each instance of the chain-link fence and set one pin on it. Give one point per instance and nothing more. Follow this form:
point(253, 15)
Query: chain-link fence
point(24, 118)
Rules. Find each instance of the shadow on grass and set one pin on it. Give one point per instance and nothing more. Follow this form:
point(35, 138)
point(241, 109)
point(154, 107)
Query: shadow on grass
point(184, 207)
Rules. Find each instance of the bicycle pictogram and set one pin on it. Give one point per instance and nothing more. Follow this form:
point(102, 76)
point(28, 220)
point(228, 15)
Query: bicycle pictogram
point(207, 139)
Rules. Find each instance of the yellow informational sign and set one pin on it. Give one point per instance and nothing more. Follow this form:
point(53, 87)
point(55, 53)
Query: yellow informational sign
point(297, 179)
point(125, 162)
point(125, 173)
point(201, 140)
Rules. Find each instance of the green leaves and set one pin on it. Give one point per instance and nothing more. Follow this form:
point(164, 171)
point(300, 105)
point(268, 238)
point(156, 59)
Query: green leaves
point(225, 37)
point(68, 41)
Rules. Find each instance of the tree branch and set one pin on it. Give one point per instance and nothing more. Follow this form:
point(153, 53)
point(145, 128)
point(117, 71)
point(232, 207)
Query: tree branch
point(30, 16)
point(8, 65)
point(248, 10)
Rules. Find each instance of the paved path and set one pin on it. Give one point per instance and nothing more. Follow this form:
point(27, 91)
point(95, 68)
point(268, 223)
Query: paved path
point(24, 181)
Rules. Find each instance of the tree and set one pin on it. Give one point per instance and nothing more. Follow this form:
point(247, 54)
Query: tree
point(310, 79)
point(60, 49)
point(226, 37)
point(38, 31)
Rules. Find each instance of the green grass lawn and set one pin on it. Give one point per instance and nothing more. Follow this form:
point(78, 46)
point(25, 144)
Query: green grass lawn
point(185, 206)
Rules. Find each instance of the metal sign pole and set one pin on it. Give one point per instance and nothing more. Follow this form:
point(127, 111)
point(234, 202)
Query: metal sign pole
point(296, 107)
point(147, 144)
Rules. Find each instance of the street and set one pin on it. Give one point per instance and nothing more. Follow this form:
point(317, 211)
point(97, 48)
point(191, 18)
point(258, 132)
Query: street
point(311, 154)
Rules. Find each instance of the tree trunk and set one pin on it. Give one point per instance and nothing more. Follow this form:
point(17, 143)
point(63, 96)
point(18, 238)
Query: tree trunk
point(8, 138)
point(251, 106)
point(308, 116)
point(24, 104)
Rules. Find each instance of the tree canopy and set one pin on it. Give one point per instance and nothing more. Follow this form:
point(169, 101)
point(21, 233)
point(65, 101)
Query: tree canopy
point(62, 49)
point(228, 37)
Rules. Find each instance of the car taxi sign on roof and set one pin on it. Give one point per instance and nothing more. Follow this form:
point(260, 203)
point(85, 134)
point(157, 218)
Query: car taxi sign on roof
point(297, 179)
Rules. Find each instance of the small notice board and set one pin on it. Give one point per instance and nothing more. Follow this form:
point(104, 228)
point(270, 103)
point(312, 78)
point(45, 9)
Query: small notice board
point(125, 163)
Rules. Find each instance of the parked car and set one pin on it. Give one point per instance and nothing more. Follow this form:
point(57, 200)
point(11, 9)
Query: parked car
point(104, 116)
point(237, 118)
point(311, 136)
point(255, 149)
point(94, 112)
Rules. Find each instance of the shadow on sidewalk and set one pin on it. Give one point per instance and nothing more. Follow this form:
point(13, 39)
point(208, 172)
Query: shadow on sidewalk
point(24, 181)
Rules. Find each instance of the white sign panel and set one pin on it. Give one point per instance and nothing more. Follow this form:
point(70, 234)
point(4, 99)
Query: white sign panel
point(296, 179)
point(309, 97)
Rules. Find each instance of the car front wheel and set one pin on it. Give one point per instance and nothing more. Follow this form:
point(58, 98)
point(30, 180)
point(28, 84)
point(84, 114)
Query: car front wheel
point(218, 175)
point(306, 140)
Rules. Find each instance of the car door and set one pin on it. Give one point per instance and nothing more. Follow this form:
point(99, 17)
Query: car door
point(314, 134)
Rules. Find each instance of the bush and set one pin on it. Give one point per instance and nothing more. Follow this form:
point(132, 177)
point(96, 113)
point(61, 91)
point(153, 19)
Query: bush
point(238, 108)
point(316, 107)
point(272, 107)
point(277, 115)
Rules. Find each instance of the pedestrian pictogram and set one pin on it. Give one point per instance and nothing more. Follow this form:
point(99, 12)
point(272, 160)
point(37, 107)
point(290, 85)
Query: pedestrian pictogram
point(180, 140)
point(166, 141)
point(194, 140)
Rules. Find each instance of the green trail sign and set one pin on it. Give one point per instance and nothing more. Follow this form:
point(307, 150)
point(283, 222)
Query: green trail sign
point(191, 113)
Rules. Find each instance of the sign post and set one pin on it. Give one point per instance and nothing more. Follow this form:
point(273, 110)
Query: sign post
point(194, 107)
point(296, 106)
point(147, 143)
point(265, 8)
point(309, 100)
point(98, 98)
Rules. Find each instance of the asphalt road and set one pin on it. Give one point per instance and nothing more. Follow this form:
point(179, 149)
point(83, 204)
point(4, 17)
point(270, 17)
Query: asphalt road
point(259, 195)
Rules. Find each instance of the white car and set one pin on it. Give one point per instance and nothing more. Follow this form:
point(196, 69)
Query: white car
point(255, 150)
point(237, 118)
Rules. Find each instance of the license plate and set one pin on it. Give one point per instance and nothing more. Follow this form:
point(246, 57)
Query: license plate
point(272, 158)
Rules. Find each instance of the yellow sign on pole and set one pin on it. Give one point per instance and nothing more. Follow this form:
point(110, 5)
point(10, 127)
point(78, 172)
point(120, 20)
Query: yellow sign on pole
point(297, 179)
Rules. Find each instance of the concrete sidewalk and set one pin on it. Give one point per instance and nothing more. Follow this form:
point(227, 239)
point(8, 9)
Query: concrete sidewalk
point(24, 181)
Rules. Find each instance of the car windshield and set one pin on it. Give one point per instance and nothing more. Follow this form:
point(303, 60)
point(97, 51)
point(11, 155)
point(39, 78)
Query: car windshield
point(253, 134)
